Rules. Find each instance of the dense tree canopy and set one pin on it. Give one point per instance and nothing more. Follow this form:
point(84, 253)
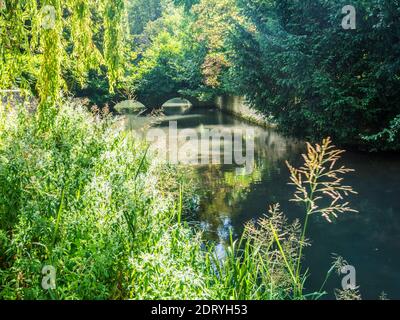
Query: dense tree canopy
point(291, 59)
point(318, 79)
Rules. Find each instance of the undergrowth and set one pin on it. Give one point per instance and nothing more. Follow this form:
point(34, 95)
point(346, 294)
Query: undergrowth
point(88, 199)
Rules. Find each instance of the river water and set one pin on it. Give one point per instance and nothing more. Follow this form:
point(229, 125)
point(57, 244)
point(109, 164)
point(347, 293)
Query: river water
point(368, 240)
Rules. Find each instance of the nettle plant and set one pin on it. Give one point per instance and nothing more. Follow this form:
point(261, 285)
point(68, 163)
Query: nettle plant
point(279, 245)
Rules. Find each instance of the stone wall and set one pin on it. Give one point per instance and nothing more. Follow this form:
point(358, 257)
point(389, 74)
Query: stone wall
point(238, 106)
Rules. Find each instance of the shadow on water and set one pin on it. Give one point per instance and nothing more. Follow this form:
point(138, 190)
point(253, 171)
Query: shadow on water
point(369, 240)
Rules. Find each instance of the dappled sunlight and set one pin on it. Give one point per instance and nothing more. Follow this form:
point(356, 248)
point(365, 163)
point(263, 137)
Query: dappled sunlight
point(143, 141)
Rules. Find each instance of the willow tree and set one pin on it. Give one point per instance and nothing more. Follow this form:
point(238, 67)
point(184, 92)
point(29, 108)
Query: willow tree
point(36, 38)
point(17, 41)
point(114, 16)
point(49, 79)
point(85, 55)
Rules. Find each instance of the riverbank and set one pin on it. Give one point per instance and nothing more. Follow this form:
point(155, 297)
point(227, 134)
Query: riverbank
point(237, 106)
point(228, 200)
point(86, 200)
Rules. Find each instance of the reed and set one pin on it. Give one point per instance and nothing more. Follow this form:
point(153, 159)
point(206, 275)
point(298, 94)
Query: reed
point(267, 262)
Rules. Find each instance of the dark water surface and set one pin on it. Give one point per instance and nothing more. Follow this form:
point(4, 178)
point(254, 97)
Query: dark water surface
point(369, 240)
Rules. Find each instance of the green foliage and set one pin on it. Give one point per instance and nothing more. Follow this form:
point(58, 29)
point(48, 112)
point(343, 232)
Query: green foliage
point(168, 60)
point(388, 138)
point(88, 199)
point(141, 12)
point(55, 202)
point(80, 194)
point(183, 51)
point(15, 67)
point(187, 4)
point(214, 20)
point(316, 78)
point(113, 39)
point(255, 268)
point(53, 39)
point(49, 80)
point(158, 65)
point(85, 198)
point(85, 55)
point(291, 59)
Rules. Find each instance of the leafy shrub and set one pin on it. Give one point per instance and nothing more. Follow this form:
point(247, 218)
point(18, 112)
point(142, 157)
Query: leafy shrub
point(317, 79)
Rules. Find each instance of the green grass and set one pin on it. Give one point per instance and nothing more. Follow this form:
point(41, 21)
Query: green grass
point(87, 198)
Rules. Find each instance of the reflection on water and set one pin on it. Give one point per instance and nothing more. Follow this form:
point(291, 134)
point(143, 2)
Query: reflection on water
point(369, 240)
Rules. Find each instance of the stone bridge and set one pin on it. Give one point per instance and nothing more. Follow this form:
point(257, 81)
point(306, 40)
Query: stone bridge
point(155, 102)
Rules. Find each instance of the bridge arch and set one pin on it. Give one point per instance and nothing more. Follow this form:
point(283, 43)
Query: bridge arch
point(155, 102)
point(176, 106)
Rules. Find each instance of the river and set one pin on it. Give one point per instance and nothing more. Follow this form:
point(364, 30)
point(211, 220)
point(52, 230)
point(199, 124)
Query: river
point(368, 240)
